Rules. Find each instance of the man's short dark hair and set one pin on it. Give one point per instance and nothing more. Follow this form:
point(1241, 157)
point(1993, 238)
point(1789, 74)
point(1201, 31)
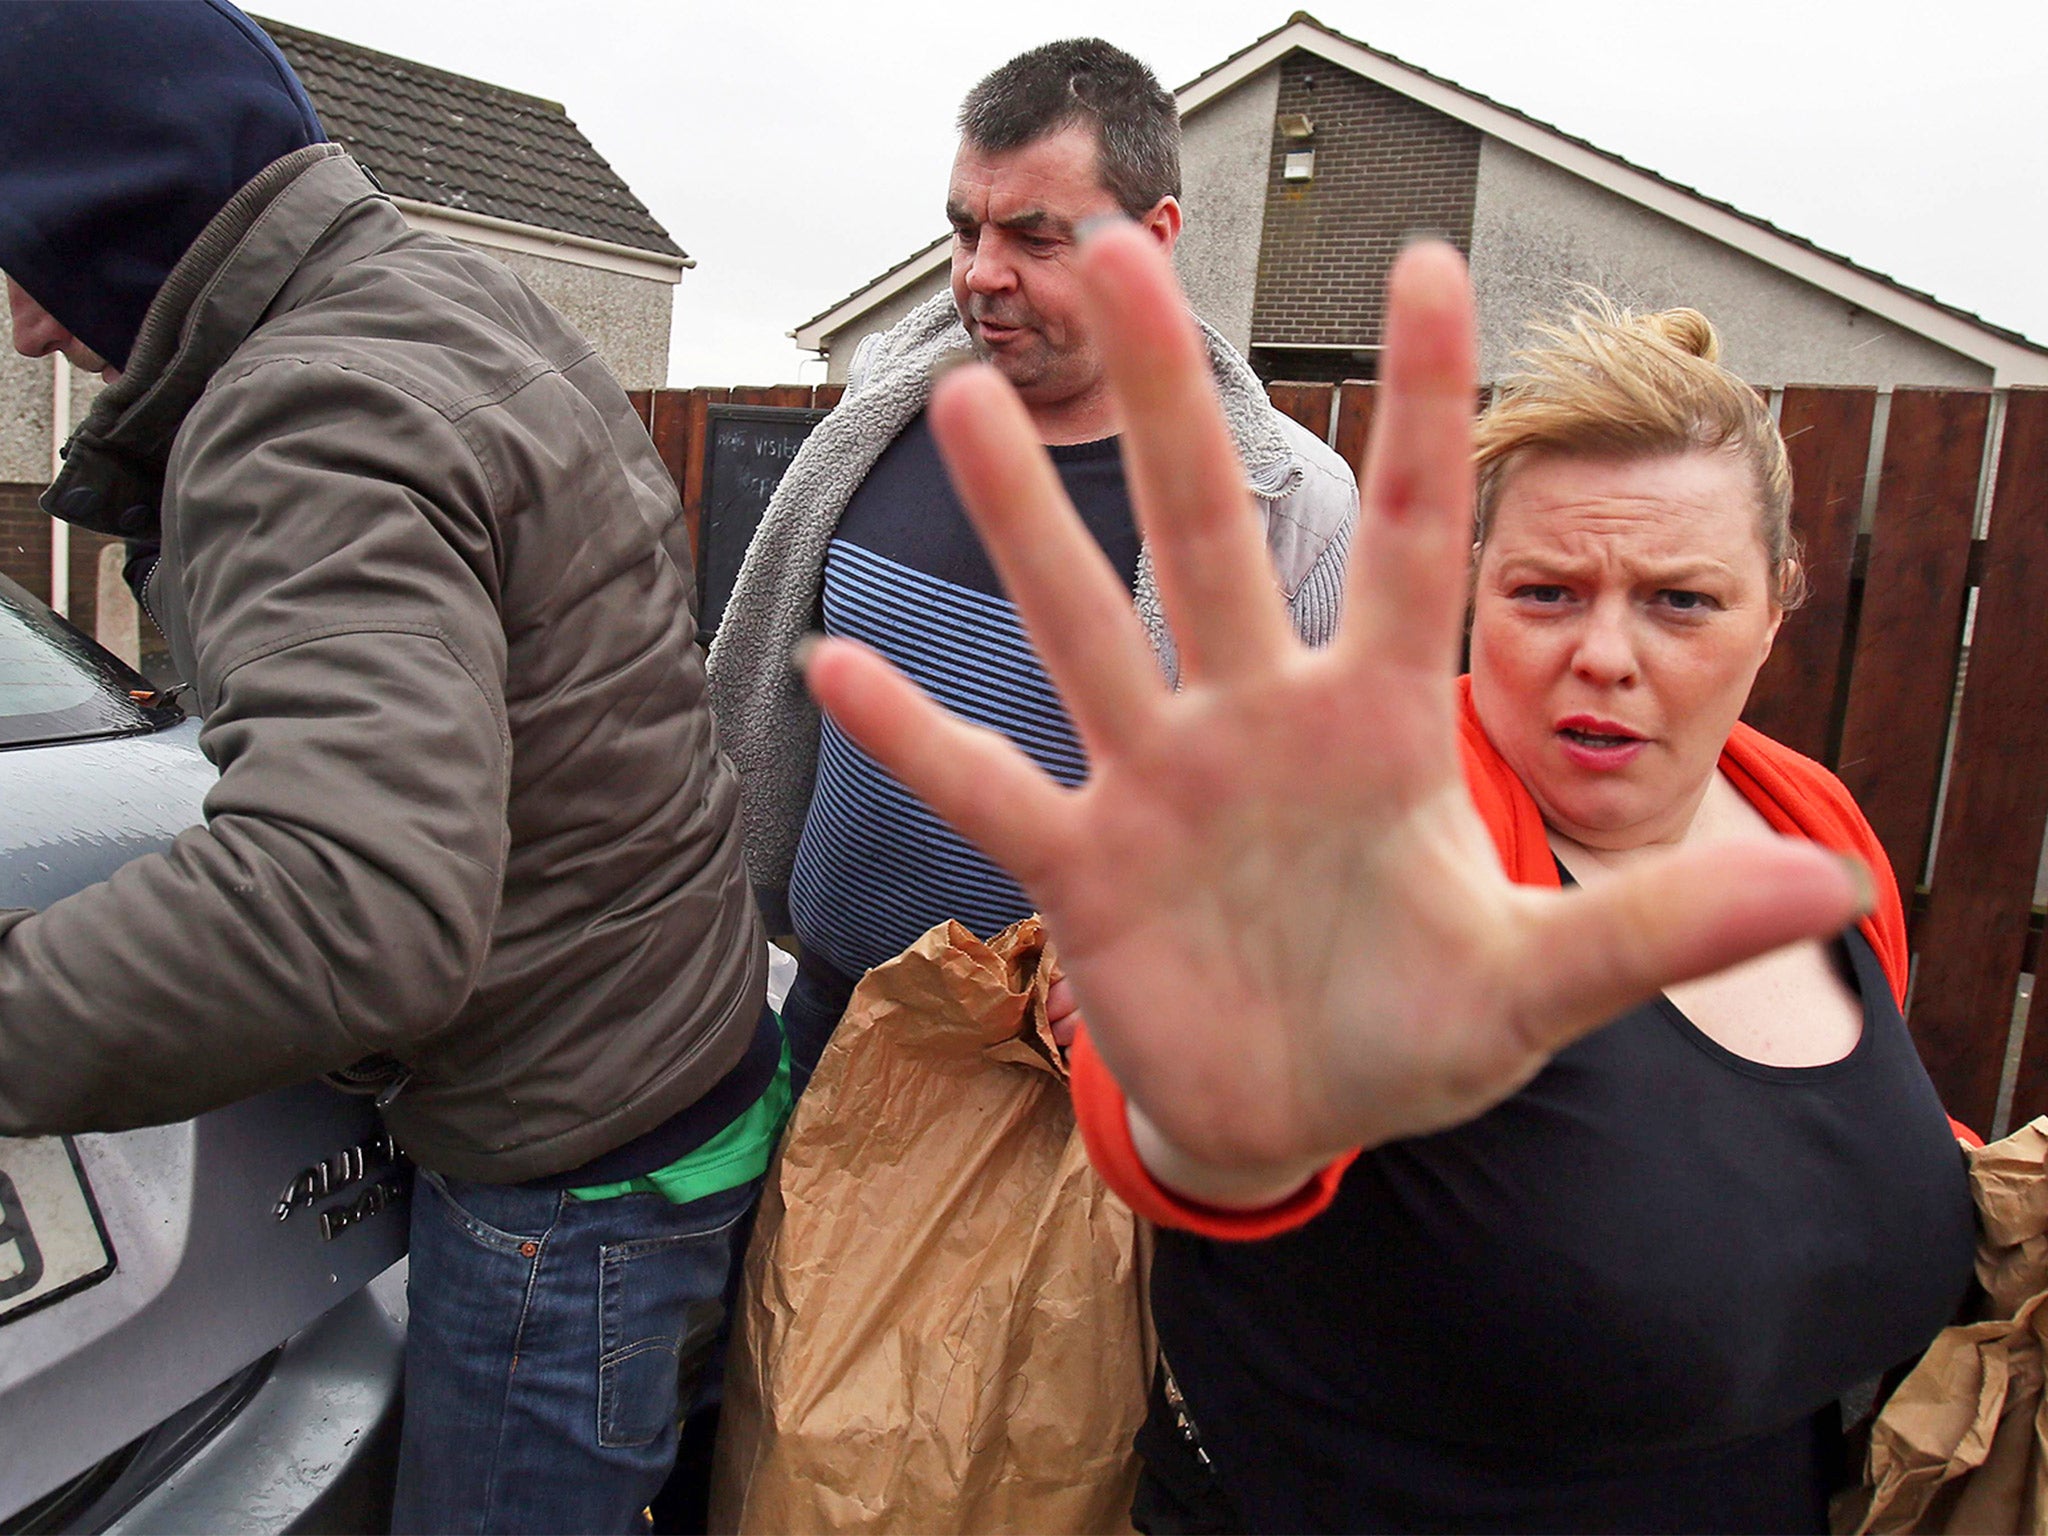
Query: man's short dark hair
point(1084, 81)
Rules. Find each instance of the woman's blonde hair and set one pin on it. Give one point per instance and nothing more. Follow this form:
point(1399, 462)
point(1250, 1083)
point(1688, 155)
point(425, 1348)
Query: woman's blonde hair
point(1603, 382)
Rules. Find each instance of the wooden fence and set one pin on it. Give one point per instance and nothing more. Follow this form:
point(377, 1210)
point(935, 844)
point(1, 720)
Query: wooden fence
point(1924, 518)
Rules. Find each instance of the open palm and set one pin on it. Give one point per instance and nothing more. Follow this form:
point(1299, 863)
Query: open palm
point(1287, 927)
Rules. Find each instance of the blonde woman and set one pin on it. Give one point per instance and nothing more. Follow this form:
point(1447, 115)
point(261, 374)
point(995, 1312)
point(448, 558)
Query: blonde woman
point(1493, 1204)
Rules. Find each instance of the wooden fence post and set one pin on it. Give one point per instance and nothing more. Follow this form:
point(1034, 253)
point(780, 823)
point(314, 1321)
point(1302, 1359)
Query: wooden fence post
point(1976, 929)
point(1354, 423)
point(1308, 404)
point(1827, 439)
point(1915, 588)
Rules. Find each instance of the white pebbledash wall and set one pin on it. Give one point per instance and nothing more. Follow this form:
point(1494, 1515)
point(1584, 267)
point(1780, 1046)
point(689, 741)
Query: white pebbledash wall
point(1537, 231)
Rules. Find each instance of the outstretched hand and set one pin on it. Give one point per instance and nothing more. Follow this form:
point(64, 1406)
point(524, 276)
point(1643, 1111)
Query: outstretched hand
point(1287, 927)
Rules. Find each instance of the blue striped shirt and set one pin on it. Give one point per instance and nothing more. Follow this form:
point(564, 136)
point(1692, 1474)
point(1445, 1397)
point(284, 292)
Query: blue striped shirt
point(905, 574)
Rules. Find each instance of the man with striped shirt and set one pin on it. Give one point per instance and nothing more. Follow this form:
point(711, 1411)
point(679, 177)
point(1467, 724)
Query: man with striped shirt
point(865, 538)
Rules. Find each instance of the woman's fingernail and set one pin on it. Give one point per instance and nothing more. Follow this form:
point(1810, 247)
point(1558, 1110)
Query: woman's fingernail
point(947, 362)
point(1865, 883)
point(1096, 223)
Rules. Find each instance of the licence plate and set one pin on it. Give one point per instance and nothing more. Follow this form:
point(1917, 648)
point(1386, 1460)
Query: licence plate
point(52, 1241)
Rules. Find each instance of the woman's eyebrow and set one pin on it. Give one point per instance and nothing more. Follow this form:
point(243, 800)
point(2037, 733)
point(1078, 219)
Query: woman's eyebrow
point(1691, 568)
point(1544, 563)
point(1664, 572)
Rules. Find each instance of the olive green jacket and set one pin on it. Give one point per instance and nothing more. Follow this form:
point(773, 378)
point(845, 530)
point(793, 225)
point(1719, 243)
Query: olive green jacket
point(431, 587)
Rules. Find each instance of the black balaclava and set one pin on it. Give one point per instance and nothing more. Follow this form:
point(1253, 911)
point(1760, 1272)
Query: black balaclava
point(124, 128)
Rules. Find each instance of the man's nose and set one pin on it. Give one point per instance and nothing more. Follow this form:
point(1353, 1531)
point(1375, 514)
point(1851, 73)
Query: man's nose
point(36, 331)
point(989, 271)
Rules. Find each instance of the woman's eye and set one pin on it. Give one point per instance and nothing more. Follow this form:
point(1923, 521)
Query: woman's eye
point(1540, 592)
point(1681, 601)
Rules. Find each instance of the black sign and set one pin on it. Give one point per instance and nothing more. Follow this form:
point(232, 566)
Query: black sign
point(747, 448)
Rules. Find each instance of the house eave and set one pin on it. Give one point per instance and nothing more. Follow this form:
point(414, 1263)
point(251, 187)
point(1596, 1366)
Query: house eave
point(2010, 362)
point(815, 333)
point(533, 240)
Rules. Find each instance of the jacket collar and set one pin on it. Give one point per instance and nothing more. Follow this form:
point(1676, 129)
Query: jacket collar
point(904, 361)
point(112, 480)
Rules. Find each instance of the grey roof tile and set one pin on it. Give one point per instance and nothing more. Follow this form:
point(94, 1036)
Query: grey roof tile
point(466, 144)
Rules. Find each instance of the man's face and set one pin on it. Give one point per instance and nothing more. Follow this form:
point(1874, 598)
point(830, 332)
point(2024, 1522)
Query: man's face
point(1014, 216)
point(37, 334)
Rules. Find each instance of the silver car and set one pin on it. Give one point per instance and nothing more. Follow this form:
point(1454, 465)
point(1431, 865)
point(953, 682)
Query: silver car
point(202, 1324)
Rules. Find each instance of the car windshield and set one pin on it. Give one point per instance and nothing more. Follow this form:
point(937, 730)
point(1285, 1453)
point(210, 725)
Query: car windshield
point(55, 684)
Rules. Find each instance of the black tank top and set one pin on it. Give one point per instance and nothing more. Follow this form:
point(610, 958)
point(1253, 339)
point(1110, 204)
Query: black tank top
point(1626, 1299)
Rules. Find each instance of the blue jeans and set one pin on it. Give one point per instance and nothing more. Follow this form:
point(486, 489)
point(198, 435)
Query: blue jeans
point(553, 1347)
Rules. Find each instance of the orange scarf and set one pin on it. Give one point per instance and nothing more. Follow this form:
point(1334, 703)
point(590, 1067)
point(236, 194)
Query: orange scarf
point(1797, 796)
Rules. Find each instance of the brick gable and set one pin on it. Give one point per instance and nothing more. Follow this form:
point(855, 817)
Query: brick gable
point(25, 556)
point(1386, 168)
point(25, 538)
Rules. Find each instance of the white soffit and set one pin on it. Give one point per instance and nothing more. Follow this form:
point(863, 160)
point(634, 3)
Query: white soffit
point(531, 240)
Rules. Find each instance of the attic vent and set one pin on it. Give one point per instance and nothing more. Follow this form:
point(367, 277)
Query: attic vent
point(1299, 165)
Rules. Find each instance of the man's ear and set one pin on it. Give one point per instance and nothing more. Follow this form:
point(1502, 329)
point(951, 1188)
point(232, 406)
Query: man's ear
point(1162, 222)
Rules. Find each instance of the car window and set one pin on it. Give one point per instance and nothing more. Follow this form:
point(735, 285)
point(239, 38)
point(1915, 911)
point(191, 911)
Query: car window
point(55, 684)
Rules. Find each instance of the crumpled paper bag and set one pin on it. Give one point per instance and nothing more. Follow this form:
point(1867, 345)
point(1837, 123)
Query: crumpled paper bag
point(944, 1324)
point(1959, 1447)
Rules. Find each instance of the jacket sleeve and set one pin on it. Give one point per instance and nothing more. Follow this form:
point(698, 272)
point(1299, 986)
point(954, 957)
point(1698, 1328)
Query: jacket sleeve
point(1309, 534)
point(1319, 602)
point(1101, 1112)
point(331, 537)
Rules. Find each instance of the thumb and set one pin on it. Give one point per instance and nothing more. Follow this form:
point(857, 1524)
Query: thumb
point(1594, 953)
point(1060, 1000)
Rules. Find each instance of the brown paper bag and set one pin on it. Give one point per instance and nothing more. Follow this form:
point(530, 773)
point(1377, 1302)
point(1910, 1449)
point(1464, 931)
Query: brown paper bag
point(1959, 1445)
point(944, 1325)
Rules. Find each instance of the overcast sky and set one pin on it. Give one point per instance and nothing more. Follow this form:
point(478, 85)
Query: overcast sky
point(797, 149)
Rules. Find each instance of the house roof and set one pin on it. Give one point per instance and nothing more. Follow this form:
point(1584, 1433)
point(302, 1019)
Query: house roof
point(477, 151)
point(2013, 357)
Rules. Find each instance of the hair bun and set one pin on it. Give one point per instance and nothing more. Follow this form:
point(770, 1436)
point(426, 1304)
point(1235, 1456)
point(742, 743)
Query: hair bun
point(1686, 329)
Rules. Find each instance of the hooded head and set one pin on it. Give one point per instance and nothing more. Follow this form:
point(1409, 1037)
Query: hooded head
point(124, 129)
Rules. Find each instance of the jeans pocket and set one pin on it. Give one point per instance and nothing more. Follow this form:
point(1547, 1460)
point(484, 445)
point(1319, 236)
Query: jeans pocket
point(661, 1303)
point(477, 1208)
